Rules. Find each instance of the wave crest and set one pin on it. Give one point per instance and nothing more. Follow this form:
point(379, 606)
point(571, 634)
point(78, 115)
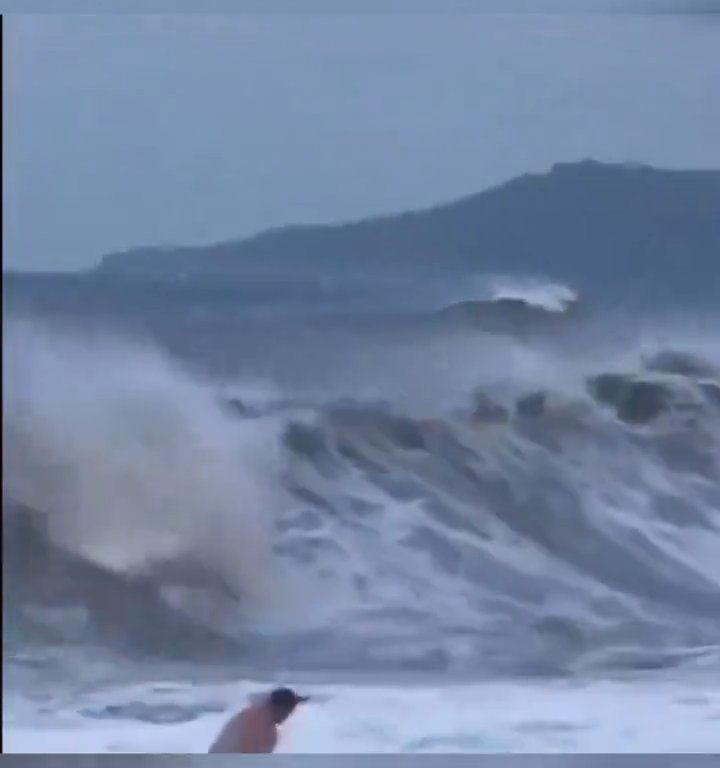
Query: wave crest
point(535, 530)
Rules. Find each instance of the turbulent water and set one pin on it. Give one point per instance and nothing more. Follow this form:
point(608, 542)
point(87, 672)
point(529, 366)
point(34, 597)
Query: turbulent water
point(495, 479)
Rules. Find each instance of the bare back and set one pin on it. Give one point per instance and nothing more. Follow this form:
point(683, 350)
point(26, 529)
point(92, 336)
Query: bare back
point(250, 731)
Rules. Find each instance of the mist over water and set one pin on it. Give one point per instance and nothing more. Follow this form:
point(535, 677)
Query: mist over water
point(328, 492)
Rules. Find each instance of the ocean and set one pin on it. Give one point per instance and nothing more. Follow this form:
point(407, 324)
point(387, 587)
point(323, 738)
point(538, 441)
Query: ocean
point(467, 513)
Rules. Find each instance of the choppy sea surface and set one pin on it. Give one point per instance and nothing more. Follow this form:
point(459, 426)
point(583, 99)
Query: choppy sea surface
point(472, 517)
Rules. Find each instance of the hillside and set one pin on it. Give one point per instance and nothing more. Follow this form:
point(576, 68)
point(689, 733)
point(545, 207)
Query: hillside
point(583, 221)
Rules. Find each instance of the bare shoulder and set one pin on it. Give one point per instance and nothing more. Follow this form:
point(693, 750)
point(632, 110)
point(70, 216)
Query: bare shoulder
point(250, 716)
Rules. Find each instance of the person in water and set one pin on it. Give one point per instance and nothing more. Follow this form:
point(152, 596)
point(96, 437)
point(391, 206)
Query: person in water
point(254, 729)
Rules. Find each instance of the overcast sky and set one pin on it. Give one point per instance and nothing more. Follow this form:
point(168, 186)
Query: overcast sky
point(145, 130)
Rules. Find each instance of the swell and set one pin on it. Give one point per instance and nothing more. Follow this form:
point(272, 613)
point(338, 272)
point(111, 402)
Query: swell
point(526, 529)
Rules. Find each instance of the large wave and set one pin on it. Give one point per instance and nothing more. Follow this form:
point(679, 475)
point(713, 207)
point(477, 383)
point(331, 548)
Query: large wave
point(116, 459)
point(564, 521)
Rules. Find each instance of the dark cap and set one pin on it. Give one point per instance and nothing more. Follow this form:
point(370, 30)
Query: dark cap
point(286, 698)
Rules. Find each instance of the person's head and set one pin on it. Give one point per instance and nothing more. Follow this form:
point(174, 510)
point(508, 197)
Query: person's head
point(282, 703)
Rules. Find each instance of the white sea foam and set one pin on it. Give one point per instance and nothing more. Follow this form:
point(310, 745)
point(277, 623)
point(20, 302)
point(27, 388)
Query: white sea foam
point(633, 715)
point(134, 463)
point(544, 294)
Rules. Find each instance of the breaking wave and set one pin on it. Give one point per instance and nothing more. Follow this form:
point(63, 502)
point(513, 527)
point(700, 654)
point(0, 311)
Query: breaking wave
point(518, 529)
point(544, 294)
point(516, 305)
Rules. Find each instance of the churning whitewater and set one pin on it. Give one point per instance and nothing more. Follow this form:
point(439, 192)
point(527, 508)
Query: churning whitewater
point(411, 494)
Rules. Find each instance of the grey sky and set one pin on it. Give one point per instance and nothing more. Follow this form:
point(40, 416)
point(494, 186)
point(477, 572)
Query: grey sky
point(131, 130)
